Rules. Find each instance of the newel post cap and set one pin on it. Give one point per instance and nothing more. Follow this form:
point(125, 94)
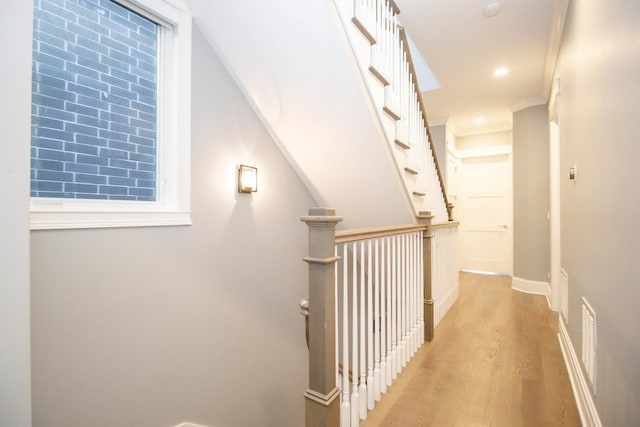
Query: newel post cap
point(321, 215)
point(424, 216)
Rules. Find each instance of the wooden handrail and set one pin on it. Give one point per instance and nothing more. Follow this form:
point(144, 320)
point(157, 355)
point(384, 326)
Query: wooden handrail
point(345, 236)
point(423, 111)
point(445, 224)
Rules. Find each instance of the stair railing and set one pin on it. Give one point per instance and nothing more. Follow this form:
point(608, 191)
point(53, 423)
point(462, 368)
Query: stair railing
point(368, 311)
point(425, 120)
point(389, 61)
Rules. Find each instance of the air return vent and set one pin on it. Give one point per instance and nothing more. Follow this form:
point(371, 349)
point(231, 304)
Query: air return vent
point(589, 342)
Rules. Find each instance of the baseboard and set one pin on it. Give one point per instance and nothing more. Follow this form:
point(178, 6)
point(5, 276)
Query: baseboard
point(443, 306)
point(530, 286)
point(549, 297)
point(189, 425)
point(581, 391)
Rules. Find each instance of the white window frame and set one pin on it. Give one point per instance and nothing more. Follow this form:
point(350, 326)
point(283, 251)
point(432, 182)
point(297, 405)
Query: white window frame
point(173, 202)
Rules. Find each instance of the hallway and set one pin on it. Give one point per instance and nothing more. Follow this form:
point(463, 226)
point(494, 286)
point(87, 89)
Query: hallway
point(495, 361)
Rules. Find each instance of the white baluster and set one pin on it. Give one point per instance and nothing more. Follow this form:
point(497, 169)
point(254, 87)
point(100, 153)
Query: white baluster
point(403, 301)
point(384, 285)
point(438, 278)
point(385, 39)
point(412, 297)
point(419, 295)
point(389, 312)
point(421, 287)
point(336, 291)
point(418, 285)
point(363, 335)
point(394, 310)
point(409, 297)
point(377, 333)
point(370, 313)
point(416, 290)
point(355, 402)
point(345, 407)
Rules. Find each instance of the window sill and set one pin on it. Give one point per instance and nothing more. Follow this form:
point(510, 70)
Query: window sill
point(79, 220)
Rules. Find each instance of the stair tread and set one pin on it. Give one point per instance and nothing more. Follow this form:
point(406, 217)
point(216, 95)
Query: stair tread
point(379, 75)
point(390, 112)
point(411, 170)
point(363, 29)
point(402, 144)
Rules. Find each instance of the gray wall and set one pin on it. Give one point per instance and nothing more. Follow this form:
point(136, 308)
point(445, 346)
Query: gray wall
point(599, 67)
point(439, 134)
point(157, 326)
point(531, 193)
point(15, 107)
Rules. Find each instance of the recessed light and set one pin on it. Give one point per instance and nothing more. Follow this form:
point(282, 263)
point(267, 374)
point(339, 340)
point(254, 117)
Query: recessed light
point(503, 71)
point(479, 120)
point(492, 9)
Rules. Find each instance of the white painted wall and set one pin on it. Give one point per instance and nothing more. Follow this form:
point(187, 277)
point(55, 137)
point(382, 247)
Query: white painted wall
point(598, 68)
point(152, 327)
point(15, 107)
point(298, 71)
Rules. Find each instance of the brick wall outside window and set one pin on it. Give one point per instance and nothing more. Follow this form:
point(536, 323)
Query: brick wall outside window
point(93, 133)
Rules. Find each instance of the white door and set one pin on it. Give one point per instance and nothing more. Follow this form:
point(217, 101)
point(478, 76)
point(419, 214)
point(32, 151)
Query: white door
point(485, 211)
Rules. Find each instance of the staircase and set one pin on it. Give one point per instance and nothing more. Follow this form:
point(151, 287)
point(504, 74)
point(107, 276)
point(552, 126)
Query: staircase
point(321, 76)
point(382, 51)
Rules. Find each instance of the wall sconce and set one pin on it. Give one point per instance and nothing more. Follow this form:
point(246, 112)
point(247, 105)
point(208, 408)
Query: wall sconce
point(247, 179)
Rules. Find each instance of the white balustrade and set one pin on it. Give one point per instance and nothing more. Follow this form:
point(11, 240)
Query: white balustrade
point(379, 291)
point(444, 268)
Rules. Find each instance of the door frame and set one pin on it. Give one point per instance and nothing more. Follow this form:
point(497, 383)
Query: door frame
point(462, 193)
point(555, 261)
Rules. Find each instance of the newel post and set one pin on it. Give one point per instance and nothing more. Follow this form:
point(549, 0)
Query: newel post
point(322, 403)
point(425, 217)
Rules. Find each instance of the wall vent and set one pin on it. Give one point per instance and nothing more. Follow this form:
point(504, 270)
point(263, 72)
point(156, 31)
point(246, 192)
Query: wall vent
point(589, 342)
point(564, 295)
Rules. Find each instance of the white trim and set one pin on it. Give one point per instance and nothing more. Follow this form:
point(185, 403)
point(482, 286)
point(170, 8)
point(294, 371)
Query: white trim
point(555, 267)
point(74, 220)
point(530, 286)
point(189, 425)
point(584, 399)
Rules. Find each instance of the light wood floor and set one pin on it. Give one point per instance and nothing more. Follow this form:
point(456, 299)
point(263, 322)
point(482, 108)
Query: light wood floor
point(495, 361)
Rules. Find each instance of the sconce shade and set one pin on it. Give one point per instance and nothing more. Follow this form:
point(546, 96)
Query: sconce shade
point(247, 179)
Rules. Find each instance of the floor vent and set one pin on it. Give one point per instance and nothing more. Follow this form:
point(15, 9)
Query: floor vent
point(564, 296)
point(589, 342)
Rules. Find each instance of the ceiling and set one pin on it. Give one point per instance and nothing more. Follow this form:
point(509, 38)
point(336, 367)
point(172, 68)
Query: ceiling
point(463, 48)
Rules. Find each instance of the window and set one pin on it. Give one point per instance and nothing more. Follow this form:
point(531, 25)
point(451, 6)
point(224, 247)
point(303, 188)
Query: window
point(110, 114)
